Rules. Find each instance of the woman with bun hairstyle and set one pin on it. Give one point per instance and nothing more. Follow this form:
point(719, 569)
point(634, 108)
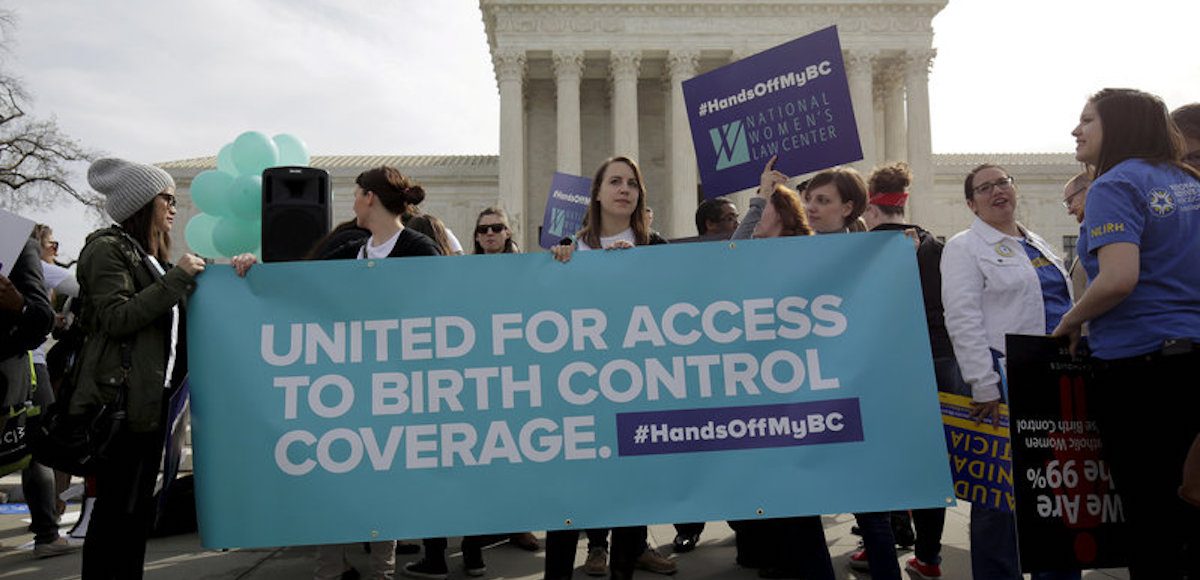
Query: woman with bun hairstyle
point(382, 197)
point(1141, 247)
point(132, 314)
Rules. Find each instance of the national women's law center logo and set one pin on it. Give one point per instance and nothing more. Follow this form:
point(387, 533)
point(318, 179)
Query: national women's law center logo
point(729, 142)
point(1161, 203)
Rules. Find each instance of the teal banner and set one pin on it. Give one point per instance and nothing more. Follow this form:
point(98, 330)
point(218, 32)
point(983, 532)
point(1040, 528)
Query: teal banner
point(356, 400)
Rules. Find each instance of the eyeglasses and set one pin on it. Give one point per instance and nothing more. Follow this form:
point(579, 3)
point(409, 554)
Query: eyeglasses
point(1067, 200)
point(732, 217)
point(169, 198)
point(1005, 183)
point(494, 228)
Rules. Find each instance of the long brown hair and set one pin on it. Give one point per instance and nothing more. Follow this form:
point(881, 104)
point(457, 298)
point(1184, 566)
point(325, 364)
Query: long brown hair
point(791, 212)
point(1136, 125)
point(590, 232)
point(141, 227)
point(433, 227)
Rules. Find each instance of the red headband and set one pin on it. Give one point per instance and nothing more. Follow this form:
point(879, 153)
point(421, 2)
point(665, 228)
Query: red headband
point(894, 199)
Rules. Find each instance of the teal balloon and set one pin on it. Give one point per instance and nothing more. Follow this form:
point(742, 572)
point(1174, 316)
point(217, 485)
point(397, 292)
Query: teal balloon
point(232, 236)
point(245, 200)
point(199, 235)
point(212, 192)
point(292, 151)
point(253, 152)
point(225, 160)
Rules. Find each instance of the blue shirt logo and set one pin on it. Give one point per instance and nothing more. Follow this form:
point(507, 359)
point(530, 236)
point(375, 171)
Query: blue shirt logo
point(1161, 203)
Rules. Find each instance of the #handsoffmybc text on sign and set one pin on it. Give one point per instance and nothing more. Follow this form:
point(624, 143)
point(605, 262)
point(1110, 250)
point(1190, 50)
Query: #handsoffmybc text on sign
point(566, 206)
point(792, 101)
point(366, 399)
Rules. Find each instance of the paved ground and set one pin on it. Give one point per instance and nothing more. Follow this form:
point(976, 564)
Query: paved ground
point(182, 557)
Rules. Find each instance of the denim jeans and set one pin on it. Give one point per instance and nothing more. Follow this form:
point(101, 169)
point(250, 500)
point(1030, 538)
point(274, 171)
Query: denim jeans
point(880, 544)
point(994, 548)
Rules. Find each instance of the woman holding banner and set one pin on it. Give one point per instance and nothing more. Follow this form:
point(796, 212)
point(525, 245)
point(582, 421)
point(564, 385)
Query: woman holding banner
point(998, 278)
point(132, 311)
point(782, 547)
point(1140, 249)
point(616, 219)
point(835, 200)
point(382, 197)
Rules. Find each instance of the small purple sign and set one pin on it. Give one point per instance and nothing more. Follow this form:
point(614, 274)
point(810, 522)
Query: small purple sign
point(565, 208)
point(792, 101)
point(725, 428)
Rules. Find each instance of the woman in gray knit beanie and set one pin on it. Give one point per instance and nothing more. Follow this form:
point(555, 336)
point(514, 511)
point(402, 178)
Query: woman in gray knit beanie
point(133, 311)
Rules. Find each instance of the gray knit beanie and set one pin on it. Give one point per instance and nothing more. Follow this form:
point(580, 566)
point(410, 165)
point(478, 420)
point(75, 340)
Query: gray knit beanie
point(128, 186)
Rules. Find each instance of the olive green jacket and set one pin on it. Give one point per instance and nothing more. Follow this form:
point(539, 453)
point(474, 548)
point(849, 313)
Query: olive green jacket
point(125, 302)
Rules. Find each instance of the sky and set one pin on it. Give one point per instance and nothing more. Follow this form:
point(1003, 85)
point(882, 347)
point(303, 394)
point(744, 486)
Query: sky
point(156, 81)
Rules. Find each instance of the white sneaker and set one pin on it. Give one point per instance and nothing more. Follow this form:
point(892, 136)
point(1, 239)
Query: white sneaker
point(58, 547)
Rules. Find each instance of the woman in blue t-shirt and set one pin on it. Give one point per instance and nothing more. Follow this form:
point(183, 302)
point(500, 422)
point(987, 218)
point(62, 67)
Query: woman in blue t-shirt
point(1141, 249)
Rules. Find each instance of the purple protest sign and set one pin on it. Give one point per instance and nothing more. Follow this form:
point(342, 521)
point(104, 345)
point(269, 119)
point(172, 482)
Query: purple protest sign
point(565, 207)
point(725, 428)
point(792, 101)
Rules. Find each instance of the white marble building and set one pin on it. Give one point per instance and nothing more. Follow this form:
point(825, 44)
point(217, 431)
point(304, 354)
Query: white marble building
point(580, 81)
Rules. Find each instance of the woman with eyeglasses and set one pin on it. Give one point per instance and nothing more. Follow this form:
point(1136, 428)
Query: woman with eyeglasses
point(1141, 249)
point(616, 219)
point(132, 312)
point(492, 234)
point(998, 278)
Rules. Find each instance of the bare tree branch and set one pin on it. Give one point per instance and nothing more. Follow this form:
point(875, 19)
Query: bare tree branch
point(36, 159)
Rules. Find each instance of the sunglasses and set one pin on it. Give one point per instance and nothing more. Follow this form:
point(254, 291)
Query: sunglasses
point(169, 198)
point(494, 228)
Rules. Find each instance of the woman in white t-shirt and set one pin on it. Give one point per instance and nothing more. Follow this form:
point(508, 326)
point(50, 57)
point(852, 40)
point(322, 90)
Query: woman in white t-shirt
point(616, 219)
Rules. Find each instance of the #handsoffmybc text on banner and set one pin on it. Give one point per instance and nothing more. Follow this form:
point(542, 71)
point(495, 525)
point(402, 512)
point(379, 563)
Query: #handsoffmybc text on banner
point(566, 206)
point(792, 101)
point(356, 400)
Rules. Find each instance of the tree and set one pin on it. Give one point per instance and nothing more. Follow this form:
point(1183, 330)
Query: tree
point(36, 158)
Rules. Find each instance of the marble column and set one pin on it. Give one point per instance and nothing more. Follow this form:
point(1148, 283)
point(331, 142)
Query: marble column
point(877, 93)
point(681, 65)
point(624, 66)
point(568, 69)
point(895, 122)
point(510, 73)
point(920, 144)
point(858, 69)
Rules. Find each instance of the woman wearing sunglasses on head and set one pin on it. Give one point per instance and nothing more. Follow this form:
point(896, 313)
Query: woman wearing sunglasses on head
point(133, 315)
point(998, 278)
point(1141, 248)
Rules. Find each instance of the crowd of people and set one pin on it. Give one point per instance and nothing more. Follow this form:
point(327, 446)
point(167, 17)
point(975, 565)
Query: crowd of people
point(1131, 300)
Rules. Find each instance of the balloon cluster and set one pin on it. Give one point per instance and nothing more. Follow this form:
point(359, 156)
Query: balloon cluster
point(230, 196)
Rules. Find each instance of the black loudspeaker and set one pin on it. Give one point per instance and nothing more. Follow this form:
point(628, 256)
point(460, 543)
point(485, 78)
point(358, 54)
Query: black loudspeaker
point(296, 211)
